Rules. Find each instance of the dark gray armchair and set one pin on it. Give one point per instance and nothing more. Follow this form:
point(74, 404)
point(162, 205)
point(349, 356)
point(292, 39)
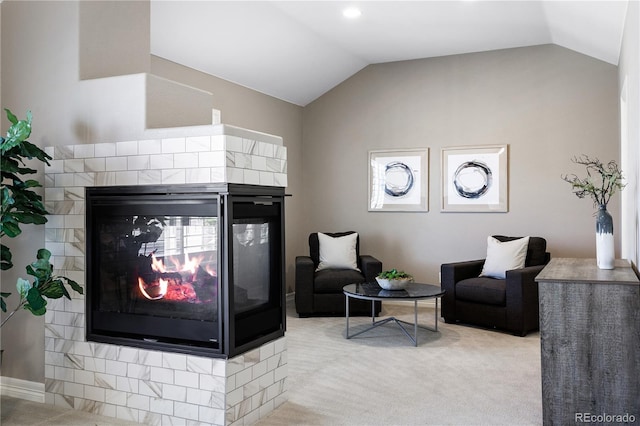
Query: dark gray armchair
point(319, 293)
point(509, 304)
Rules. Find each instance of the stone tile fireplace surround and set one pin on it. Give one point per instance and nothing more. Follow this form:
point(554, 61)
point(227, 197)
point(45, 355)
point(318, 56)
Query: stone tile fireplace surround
point(140, 385)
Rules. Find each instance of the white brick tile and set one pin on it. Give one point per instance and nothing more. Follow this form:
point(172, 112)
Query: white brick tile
point(174, 361)
point(212, 159)
point(56, 166)
point(105, 149)
point(105, 179)
point(126, 384)
point(74, 389)
point(214, 416)
point(116, 397)
point(198, 143)
point(94, 393)
point(114, 164)
point(117, 368)
point(259, 369)
point(54, 194)
point(62, 180)
point(140, 402)
point(149, 177)
point(84, 377)
point(213, 383)
point(107, 381)
point(150, 388)
point(235, 397)
point(95, 165)
point(218, 175)
point(138, 162)
point(56, 249)
point(187, 411)
point(185, 378)
point(185, 160)
point(235, 175)
point(175, 176)
point(127, 148)
point(174, 393)
point(161, 406)
point(161, 161)
point(74, 333)
point(127, 178)
point(150, 146)
point(150, 358)
point(280, 372)
point(199, 365)
point(84, 151)
point(251, 177)
point(162, 375)
point(258, 163)
point(199, 397)
point(267, 179)
point(126, 354)
point(126, 413)
point(95, 364)
point(233, 143)
point(73, 166)
point(138, 371)
point(198, 175)
point(173, 145)
point(84, 179)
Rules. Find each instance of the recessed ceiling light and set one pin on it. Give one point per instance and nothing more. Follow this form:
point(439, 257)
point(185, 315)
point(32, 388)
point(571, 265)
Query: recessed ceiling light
point(351, 13)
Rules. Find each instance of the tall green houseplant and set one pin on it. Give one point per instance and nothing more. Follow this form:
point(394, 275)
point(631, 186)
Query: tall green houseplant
point(22, 205)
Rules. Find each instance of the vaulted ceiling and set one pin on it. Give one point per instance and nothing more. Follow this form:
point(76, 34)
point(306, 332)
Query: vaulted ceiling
point(298, 50)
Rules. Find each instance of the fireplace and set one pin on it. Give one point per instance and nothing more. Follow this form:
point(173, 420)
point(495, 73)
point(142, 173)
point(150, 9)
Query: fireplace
point(196, 269)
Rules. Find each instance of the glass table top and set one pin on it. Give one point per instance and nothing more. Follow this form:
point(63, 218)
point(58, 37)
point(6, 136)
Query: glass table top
point(411, 291)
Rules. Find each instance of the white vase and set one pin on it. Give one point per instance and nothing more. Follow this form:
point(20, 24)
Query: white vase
point(605, 253)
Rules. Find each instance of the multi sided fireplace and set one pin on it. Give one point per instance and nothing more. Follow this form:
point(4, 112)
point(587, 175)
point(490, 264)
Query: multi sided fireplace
point(190, 269)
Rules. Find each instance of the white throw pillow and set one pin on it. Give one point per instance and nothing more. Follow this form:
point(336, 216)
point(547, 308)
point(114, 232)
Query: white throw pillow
point(504, 256)
point(338, 252)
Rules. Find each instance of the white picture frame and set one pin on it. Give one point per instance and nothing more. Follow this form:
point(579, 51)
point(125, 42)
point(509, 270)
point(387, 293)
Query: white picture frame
point(399, 180)
point(475, 178)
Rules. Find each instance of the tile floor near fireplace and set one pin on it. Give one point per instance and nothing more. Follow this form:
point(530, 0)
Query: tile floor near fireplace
point(136, 384)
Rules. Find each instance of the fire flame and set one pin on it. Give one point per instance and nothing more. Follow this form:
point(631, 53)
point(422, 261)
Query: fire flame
point(162, 286)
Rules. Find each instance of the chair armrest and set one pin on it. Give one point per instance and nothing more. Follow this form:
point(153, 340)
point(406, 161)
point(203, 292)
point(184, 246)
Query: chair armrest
point(522, 298)
point(451, 273)
point(304, 284)
point(521, 283)
point(370, 267)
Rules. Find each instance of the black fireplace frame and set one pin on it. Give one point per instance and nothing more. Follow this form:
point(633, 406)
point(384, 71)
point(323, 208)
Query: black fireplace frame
point(237, 332)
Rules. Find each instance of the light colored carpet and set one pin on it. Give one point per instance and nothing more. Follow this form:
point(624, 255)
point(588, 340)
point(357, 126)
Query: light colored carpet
point(460, 375)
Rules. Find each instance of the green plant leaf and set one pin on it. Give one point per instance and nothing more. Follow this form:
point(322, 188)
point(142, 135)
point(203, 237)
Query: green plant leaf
point(3, 304)
point(5, 258)
point(10, 229)
point(75, 286)
point(23, 286)
point(12, 118)
point(35, 302)
point(54, 290)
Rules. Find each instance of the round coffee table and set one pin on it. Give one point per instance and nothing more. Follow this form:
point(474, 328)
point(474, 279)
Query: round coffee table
point(373, 292)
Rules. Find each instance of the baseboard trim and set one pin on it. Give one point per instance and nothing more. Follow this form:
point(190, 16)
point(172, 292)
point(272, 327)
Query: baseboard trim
point(22, 389)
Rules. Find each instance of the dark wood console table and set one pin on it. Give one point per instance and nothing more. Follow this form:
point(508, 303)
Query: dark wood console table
point(590, 341)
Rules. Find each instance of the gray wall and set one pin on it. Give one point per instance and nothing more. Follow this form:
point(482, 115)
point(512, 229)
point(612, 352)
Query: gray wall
point(41, 73)
point(629, 80)
point(546, 102)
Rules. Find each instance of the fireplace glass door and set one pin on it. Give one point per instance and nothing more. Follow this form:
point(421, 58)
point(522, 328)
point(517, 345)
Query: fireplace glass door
point(155, 269)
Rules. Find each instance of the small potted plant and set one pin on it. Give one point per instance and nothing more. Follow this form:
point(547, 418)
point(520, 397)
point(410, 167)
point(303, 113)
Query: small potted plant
point(393, 279)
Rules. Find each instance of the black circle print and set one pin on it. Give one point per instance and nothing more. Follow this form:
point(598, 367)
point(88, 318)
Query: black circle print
point(472, 179)
point(397, 168)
